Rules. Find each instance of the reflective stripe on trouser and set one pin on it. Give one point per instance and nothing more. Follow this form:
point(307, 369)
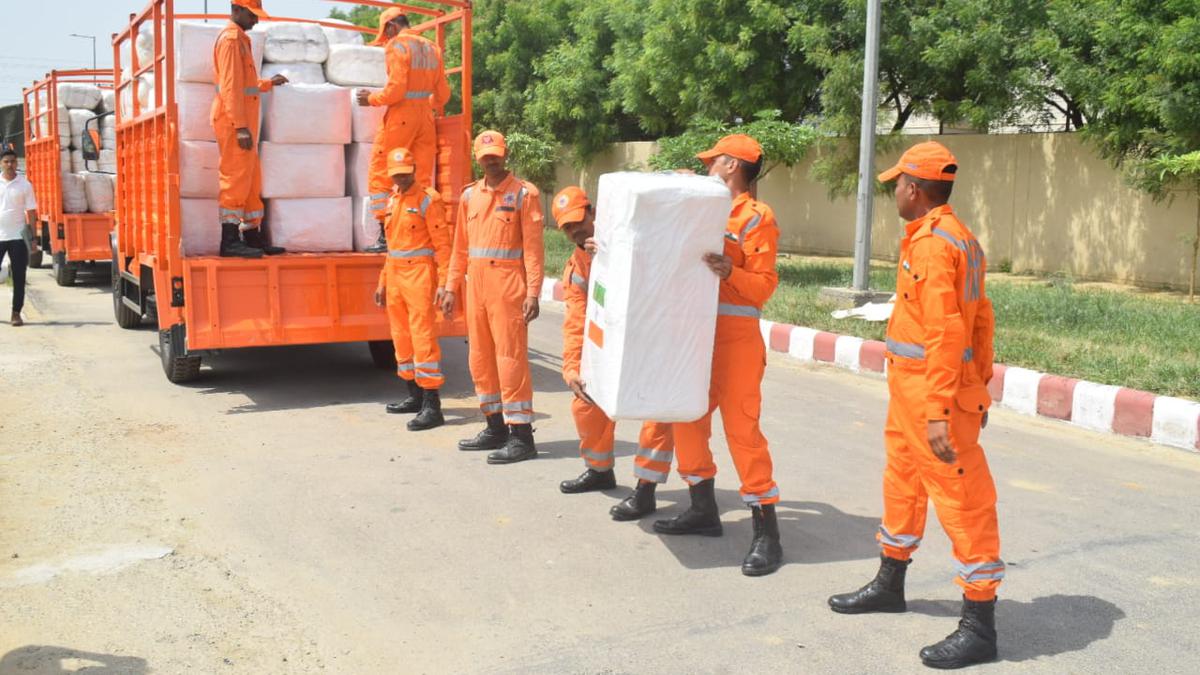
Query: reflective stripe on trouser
point(411, 285)
point(499, 338)
point(404, 126)
point(655, 452)
point(595, 435)
point(739, 360)
point(963, 492)
point(239, 179)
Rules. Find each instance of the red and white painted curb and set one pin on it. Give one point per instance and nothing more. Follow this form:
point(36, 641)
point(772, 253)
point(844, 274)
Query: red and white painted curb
point(1099, 407)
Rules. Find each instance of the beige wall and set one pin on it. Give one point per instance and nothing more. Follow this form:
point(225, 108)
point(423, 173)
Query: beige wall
point(1045, 202)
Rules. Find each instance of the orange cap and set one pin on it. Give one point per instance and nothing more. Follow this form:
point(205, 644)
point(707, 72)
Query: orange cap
point(570, 205)
point(740, 146)
point(254, 6)
point(401, 160)
point(927, 161)
point(390, 14)
point(490, 143)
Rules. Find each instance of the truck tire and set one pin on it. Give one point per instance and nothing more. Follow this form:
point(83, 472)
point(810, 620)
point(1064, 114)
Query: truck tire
point(178, 368)
point(64, 272)
point(126, 318)
point(383, 354)
point(35, 259)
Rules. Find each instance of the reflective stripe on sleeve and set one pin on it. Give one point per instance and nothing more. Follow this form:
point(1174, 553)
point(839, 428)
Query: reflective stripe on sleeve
point(728, 309)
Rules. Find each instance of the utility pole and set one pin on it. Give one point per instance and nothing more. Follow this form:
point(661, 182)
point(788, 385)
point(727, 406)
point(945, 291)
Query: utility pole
point(93, 39)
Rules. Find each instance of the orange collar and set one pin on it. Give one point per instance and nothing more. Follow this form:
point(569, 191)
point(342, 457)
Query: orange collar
point(502, 187)
point(911, 228)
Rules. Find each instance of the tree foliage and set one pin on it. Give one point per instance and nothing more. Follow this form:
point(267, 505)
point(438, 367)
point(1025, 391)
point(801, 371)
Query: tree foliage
point(784, 143)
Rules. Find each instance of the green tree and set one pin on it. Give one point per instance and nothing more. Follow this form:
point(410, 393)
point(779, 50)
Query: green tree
point(784, 143)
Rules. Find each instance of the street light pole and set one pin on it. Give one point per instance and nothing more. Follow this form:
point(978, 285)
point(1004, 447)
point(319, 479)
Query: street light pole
point(93, 39)
point(866, 152)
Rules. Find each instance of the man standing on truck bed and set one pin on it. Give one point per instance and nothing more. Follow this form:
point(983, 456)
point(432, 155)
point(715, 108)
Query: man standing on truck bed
point(18, 213)
point(416, 85)
point(235, 121)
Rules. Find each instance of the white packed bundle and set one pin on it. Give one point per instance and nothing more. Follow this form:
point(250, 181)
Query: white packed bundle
point(64, 127)
point(194, 101)
point(307, 113)
point(293, 42)
point(356, 66)
point(198, 177)
point(78, 95)
point(358, 169)
point(74, 195)
point(199, 227)
point(144, 45)
point(340, 36)
point(296, 73)
point(651, 318)
point(107, 101)
point(295, 170)
point(145, 92)
point(79, 119)
point(78, 163)
point(366, 228)
point(311, 225)
point(64, 159)
point(108, 131)
point(99, 190)
point(365, 120)
point(194, 50)
point(108, 160)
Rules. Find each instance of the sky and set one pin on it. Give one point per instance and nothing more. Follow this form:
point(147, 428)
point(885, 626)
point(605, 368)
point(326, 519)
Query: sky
point(38, 36)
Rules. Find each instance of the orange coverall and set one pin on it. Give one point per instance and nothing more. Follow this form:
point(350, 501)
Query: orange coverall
point(739, 359)
point(236, 107)
point(416, 85)
point(498, 248)
point(417, 263)
point(655, 446)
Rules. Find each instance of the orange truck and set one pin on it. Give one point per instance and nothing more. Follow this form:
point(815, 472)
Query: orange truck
point(206, 304)
point(73, 239)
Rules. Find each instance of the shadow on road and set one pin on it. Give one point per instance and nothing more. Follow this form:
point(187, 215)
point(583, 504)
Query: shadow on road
point(1047, 626)
point(46, 660)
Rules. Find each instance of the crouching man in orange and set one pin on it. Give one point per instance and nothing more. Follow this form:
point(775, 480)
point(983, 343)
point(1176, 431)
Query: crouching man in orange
point(498, 251)
point(748, 279)
point(575, 216)
point(939, 352)
point(410, 286)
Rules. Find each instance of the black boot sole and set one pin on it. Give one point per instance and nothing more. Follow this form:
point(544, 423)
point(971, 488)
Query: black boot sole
point(893, 609)
point(622, 516)
point(467, 446)
point(956, 665)
point(412, 426)
point(596, 487)
point(513, 460)
point(405, 410)
point(710, 531)
point(761, 571)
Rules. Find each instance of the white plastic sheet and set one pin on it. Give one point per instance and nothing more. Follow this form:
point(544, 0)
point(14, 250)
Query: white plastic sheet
point(293, 171)
point(365, 120)
point(78, 165)
point(356, 66)
point(145, 96)
point(293, 42)
point(108, 160)
point(194, 50)
point(311, 225)
point(144, 46)
point(78, 120)
point(358, 165)
point(871, 311)
point(200, 229)
point(306, 113)
point(107, 101)
point(198, 177)
point(652, 306)
point(366, 228)
point(99, 190)
point(78, 95)
point(194, 101)
point(338, 36)
point(74, 194)
point(296, 73)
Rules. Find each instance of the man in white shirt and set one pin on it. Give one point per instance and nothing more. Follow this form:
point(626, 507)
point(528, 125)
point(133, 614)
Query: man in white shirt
point(18, 213)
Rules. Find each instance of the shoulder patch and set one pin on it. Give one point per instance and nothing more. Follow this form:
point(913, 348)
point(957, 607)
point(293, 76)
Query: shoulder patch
point(530, 188)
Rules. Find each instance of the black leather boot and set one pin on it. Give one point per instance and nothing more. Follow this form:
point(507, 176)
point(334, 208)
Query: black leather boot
point(700, 518)
point(589, 481)
point(766, 553)
point(973, 642)
point(254, 239)
point(491, 438)
point(232, 245)
point(519, 447)
point(885, 593)
point(411, 404)
point(380, 245)
point(635, 506)
point(430, 416)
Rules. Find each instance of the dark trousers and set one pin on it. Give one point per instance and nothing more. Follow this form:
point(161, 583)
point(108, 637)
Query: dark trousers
point(18, 259)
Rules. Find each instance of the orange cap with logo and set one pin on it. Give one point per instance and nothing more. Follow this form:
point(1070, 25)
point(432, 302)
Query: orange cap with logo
point(401, 160)
point(254, 6)
point(570, 205)
point(389, 15)
point(929, 161)
point(490, 143)
point(740, 146)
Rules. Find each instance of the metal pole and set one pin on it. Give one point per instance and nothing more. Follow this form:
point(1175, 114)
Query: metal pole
point(866, 152)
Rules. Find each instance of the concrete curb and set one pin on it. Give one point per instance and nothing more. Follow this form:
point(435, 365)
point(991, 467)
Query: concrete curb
point(1099, 407)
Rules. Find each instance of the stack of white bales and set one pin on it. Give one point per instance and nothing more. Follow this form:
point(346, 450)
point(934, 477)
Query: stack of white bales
point(84, 191)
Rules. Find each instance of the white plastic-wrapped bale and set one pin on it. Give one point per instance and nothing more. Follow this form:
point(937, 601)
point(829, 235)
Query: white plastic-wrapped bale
point(366, 228)
point(144, 45)
point(297, 170)
point(356, 66)
point(108, 160)
point(99, 190)
point(145, 92)
point(342, 36)
point(64, 159)
point(78, 95)
point(200, 228)
point(365, 120)
point(194, 50)
point(651, 319)
point(293, 42)
point(358, 169)
point(296, 73)
point(74, 194)
point(78, 164)
point(198, 163)
point(194, 101)
point(307, 113)
point(311, 225)
point(79, 119)
point(108, 131)
point(107, 101)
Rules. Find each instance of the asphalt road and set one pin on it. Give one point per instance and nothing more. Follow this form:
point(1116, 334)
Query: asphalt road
point(271, 518)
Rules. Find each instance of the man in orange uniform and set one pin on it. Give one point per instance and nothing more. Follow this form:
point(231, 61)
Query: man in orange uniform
point(235, 122)
point(498, 249)
point(410, 284)
point(416, 85)
point(939, 352)
point(574, 214)
point(748, 278)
